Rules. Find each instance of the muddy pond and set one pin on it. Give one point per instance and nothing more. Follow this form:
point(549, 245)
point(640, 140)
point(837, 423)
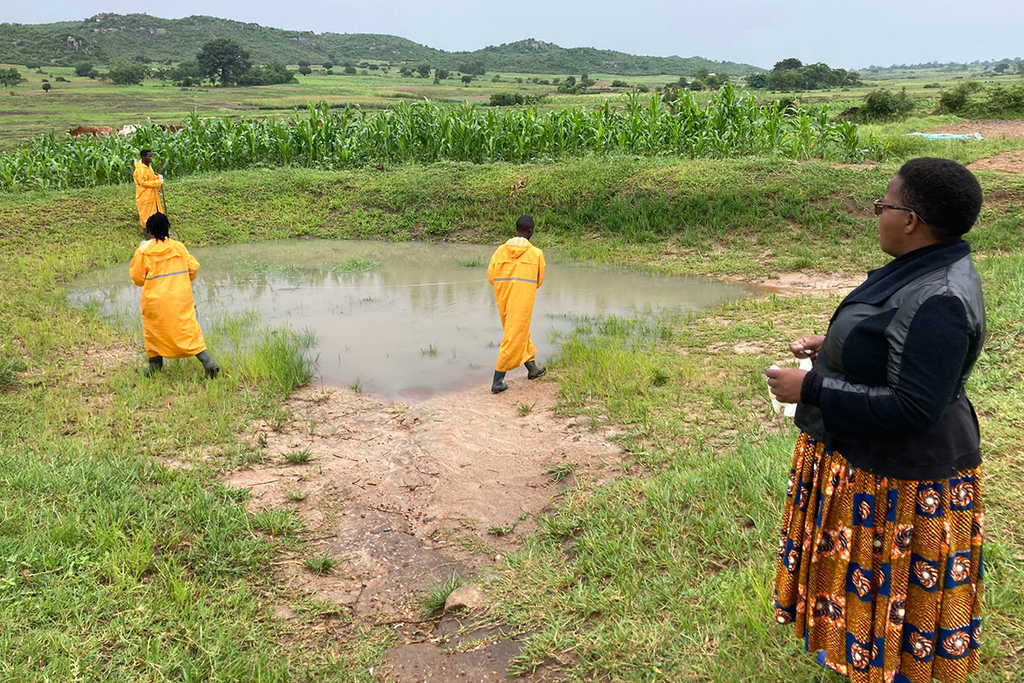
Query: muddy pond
point(402, 320)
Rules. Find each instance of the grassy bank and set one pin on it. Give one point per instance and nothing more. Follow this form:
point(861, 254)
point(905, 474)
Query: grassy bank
point(117, 563)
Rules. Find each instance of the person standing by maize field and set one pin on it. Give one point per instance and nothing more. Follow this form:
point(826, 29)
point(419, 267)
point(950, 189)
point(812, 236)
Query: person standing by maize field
point(516, 270)
point(147, 184)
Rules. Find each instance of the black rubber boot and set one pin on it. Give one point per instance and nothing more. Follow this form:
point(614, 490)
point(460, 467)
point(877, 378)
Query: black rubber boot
point(532, 371)
point(498, 385)
point(212, 369)
point(156, 364)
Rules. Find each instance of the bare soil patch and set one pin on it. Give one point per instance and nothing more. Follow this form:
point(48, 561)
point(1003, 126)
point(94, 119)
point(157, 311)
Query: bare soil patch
point(808, 284)
point(404, 495)
point(1007, 162)
point(990, 128)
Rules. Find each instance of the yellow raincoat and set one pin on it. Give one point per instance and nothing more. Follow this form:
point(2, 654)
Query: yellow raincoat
point(516, 271)
point(165, 270)
point(147, 196)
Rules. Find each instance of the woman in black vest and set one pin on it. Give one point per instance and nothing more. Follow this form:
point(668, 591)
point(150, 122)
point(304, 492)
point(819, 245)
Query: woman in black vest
point(880, 556)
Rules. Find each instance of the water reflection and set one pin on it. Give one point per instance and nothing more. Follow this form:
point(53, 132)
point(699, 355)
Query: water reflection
point(408, 319)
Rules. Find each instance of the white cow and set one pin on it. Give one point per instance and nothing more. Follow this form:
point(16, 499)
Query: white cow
point(127, 130)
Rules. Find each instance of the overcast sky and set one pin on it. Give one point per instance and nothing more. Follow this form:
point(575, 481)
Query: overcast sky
point(760, 32)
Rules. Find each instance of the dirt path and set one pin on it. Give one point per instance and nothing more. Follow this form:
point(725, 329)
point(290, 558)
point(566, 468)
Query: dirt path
point(1007, 162)
point(990, 128)
point(403, 495)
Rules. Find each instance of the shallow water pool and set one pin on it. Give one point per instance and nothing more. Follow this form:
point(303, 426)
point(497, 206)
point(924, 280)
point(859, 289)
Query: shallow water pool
point(404, 320)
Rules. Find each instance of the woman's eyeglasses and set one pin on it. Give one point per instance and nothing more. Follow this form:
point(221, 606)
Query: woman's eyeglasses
point(881, 206)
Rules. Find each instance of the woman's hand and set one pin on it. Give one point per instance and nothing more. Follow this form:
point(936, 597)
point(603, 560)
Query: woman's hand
point(807, 346)
point(785, 383)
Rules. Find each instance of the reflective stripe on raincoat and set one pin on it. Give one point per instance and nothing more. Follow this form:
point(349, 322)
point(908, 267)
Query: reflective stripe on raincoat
point(147, 196)
point(165, 270)
point(516, 271)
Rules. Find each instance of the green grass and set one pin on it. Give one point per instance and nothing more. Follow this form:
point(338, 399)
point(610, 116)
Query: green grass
point(433, 600)
point(10, 368)
point(320, 564)
point(524, 409)
point(298, 457)
point(558, 472)
point(110, 559)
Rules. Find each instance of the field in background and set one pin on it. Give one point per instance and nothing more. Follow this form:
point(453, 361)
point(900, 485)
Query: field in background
point(26, 110)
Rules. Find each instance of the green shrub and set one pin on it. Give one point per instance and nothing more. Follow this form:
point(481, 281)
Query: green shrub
point(955, 100)
point(880, 105)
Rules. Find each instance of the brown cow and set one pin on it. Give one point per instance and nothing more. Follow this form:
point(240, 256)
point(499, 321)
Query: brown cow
point(171, 127)
point(91, 130)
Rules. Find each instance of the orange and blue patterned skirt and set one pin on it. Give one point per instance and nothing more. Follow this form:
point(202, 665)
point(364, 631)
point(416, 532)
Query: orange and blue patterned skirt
point(881, 575)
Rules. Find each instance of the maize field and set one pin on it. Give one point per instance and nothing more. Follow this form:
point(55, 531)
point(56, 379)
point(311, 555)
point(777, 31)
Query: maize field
point(728, 125)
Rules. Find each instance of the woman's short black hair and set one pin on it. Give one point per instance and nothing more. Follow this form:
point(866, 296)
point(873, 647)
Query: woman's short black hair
point(158, 226)
point(943, 193)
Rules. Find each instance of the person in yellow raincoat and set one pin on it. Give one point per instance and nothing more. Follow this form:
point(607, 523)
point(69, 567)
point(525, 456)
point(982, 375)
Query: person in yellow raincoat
point(516, 270)
point(147, 184)
point(165, 270)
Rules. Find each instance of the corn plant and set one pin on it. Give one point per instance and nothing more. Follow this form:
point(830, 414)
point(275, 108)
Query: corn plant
point(728, 125)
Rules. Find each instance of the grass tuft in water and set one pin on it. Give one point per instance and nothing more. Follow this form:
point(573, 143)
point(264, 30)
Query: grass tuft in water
point(354, 265)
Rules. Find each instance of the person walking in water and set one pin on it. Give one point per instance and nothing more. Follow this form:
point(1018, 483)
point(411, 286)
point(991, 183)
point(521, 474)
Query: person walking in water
point(516, 270)
point(147, 184)
point(165, 270)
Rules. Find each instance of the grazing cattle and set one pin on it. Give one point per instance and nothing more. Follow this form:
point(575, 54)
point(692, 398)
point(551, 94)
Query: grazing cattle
point(124, 131)
point(170, 127)
point(91, 130)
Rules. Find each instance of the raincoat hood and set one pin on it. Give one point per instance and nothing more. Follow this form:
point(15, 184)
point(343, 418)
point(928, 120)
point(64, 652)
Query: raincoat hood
point(517, 246)
point(159, 249)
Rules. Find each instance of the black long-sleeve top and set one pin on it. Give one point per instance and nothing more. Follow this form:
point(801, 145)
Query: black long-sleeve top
point(887, 387)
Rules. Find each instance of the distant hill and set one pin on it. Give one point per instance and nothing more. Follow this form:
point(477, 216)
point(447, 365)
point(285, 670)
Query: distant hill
point(113, 38)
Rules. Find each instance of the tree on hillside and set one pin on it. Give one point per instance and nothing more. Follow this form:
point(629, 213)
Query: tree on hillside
point(305, 70)
point(441, 74)
point(10, 77)
point(1000, 68)
point(757, 81)
point(83, 69)
point(424, 70)
point(128, 74)
point(186, 74)
point(302, 63)
point(466, 79)
point(473, 68)
point(46, 86)
point(223, 59)
point(328, 65)
point(787, 64)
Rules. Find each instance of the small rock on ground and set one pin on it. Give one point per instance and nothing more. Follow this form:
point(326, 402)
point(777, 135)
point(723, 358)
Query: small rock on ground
point(469, 597)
